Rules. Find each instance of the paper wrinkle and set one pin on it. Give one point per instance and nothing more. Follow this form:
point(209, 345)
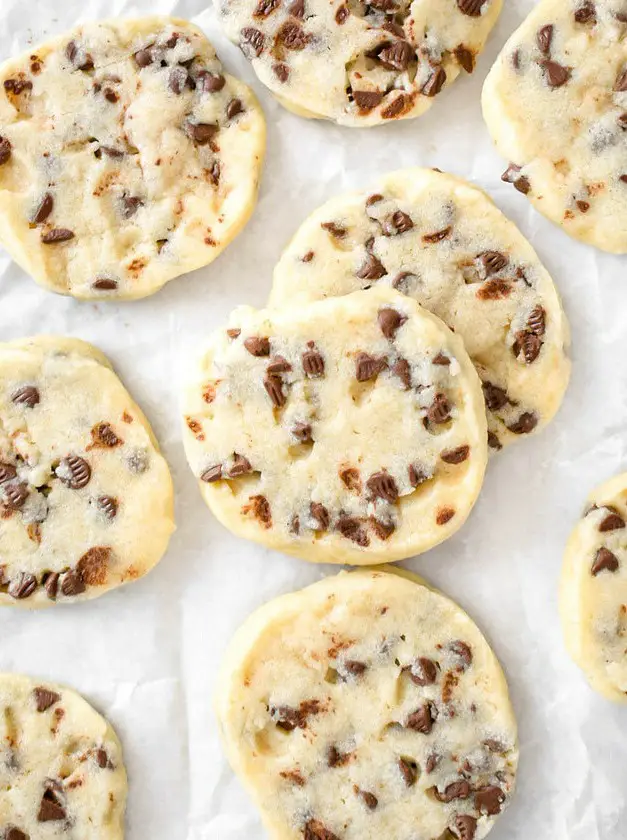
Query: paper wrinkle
point(147, 655)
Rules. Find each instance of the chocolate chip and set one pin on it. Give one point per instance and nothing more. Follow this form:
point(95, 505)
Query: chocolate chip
point(45, 698)
point(396, 56)
point(15, 496)
point(234, 108)
point(402, 369)
point(201, 133)
point(82, 61)
point(335, 758)
point(442, 360)
point(93, 566)
point(355, 668)
point(315, 830)
point(289, 718)
point(274, 389)
point(278, 365)
point(102, 759)
point(265, 8)
point(435, 82)
point(51, 809)
point(536, 322)
point(423, 671)
point(44, 209)
point(526, 423)
point(341, 16)
point(5, 150)
point(371, 269)
point(23, 586)
point(421, 720)
point(292, 36)
point(13, 833)
point(210, 82)
point(74, 471)
point(105, 284)
point(397, 224)
point(440, 410)
point(529, 345)
point(72, 584)
point(351, 479)
point(313, 363)
point(308, 257)
point(493, 262)
point(27, 396)
point(455, 456)
point(389, 321)
point(51, 584)
point(369, 799)
point(234, 333)
point(281, 71)
point(56, 235)
point(350, 527)
point(456, 790)
point(620, 85)
point(212, 474)
point(297, 8)
point(612, 522)
point(7, 472)
point(605, 561)
point(257, 345)
point(383, 530)
point(437, 236)
point(465, 826)
point(214, 173)
point(103, 437)
point(111, 96)
point(512, 176)
point(367, 99)
point(489, 799)
point(586, 14)
point(143, 58)
point(465, 58)
point(130, 205)
point(367, 367)
point(402, 281)
point(416, 475)
point(240, 466)
point(432, 762)
point(108, 505)
point(472, 8)
point(319, 512)
point(555, 74)
point(177, 80)
point(381, 485)
point(302, 432)
point(495, 397)
point(463, 652)
point(409, 771)
point(544, 38)
point(582, 206)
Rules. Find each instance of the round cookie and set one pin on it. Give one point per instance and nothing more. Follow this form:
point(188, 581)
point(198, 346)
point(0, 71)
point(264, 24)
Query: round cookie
point(368, 706)
point(86, 499)
point(593, 595)
point(443, 242)
point(127, 157)
point(555, 103)
point(61, 769)
point(359, 63)
point(350, 431)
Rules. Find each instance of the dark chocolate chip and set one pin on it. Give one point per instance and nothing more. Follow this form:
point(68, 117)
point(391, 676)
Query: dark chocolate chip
point(313, 363)
point(74, 471)
point(612, 522)
point(465, 827)
point(315, 830)
point(51, 809)
point(201, 133)
point(371, 269)
point(274, 389)
point(319, 512)
point(51, 584)
point(105, 284)
point(72, 584)
point(297, 8)
point(465, 58)
point(455, 456)
point(212, 474)
point(396, 56)
point(440, 410)
point(525, 424)
point(108, 505)
point(495, 397)
point(586, 13)
point(435, 82)
point(56, 235)
point(13, 833)
point(421, 720)
point(252, 42)
point(368, 367)
point(45, 698)
point(240, 466)
point(463, 652)
point(416, 476)
point(402, 369)
point(381, 485)
point(456, 790)
point(27, 396)
point(409, 771)
point(93, 566)
point(143, 58)
point(493, 262)
point(369, 799)
point(489, 799)
point(355, 668)
point(350, 527)
point(44, 209)
point(544, 38)
point(234, 108)
point(423, 671)
point(210, 82)
point(278, 365)
point(257, 345)
point(389, 321)
point(605, 561)
point(367, 99)
point(555, 74)
point(512, 176)
point(437, 236)
point(23, 586)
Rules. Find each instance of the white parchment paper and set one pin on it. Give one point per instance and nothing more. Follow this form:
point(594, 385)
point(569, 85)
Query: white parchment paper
point(148, 655)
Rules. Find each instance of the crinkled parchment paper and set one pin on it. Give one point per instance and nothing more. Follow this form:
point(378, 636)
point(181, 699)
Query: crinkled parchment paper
point(148, 655)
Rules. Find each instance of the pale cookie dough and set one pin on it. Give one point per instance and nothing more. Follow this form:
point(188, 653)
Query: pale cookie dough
point(443, 242)
point(359, 62)
point(593, 602)
point(61, 768)
point(350, 431)
point(368, 707)
point(556, 105)
point(127, 157)
point(86, 500)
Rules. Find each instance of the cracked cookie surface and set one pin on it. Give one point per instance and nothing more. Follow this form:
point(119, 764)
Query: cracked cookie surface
point(348, 431)
point(593, 597)
point(86, 499)
point(555, 103)
point(368, 706)
point(442, 241)
point(127, 157)
point(356, 62)
point(61, 768)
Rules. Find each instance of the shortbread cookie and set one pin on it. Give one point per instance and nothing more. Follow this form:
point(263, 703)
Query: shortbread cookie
point(350, 431)
point(594, 590)
point(61, 770)
point(86, 500)
point(359, 63)
point(127, 157)
point(368, 707)
point(443, 242)
point(556, 105)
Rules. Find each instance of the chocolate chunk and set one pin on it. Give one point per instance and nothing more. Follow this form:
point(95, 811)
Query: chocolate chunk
point(423, 671)
point(456, 790)
point(51, 809)
point(437, 236)
point(5, 150)
point(351, 479)
point(489, 799)
point(274, 389)
point(512, 176)
point(289, 718)
point(367, 367)
point(367, 99)
point(409, 771)
point(56, 235)
point(493, 262)
point(526, 423)
point(605, 561)
point(465, 58)
point(369, 799)
point(212, 474)
point(319, 512)
point(544, 38)
point(315, 830)
point(302, 432)
point(234, 108)
point(93, 566)
point(74, 471)
point(396, 107)
point(313, 363)
point(586, 13)
point(455, 456)
point(252, 42)
point(350, 527)
point(28, 396)
point(143, 58)
point(555, 74)
point(463, 651)
point(381, 485)
point(51, 584)
point(240, 466)
point(201, 133)
point(108, 505)
point(435, 82)
point(416, 475)
point(396, 56)
point(465, 827)
point(383, 530)
point(13, 833)
point(421, 720)
point(257, 345)
point(15, 495)
point(495, 397)
point(210, 82)
point(45, 698)
point(444, 515)
point(72, 584)
point(440, 410)
point(103, 437)
point(23, 586)
point(472, 8)
point(44, 209)
point(371, 269)
point(7, 472)
point(341, 16)
point(278, 365)
point(281, 71)
point(292, 36)
point(612, 522)
point(402, 369)
point(389, 321)
point(265, 8)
